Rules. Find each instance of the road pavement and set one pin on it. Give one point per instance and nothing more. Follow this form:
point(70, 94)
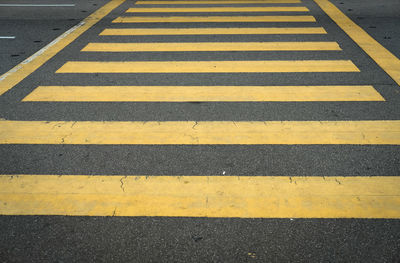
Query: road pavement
point(217, 131)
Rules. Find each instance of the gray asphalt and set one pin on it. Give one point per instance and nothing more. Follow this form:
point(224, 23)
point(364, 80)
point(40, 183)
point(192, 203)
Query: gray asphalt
point(105, 239)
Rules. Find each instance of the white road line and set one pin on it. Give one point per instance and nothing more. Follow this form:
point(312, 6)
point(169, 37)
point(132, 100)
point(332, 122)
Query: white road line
point(7, 37)
point(36, 5)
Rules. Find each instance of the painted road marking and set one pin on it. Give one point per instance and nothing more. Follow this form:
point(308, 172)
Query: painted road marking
point(213, 46)
point(37, 5)
point(212, 31)
point(204, 93)
point(201, 196)
point(204, 132)
point(7, 37)
point(208, 66)
point(195, 19)
point(29, 65)
point(383, 57)
point(196, 2)
point(218, 9)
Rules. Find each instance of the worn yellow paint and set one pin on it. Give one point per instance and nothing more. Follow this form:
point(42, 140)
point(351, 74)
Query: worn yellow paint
point(24, 69)
point(212, 46)
point(212, 31)
point(204, 93)
point(208, 66)
point(207, 2)
point(201, 196)
point(383, 57)
point(205, 132)
point(193, 19)
point(218, 9)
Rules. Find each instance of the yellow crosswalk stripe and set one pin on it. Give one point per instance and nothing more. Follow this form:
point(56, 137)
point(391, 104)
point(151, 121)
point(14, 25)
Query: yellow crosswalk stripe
point(204, 132)
point(201, 196)
point(212, 46)
point(211, 31)
point(209, 66)
point(204, 93)
point(196, 2)
point(195, 19)
point(218, 9)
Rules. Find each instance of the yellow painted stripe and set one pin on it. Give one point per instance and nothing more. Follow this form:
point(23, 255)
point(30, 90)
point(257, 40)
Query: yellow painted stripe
point(217, 2)
point(190, 132)
point(383, 57)
point(212, 31)
point(196, 2)
point(24, 69)
point(201, 196)
point(209, 66)
point(212, 46)
point(204, 93)
point(218, 9)
point(193, 19)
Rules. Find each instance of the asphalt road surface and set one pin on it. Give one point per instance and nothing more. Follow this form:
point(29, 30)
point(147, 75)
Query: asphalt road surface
point(200, 131)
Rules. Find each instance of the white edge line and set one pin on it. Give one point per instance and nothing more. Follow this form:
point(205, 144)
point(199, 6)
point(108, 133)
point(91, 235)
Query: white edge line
point(7, 37)
point(41, 51)
point(37, 5)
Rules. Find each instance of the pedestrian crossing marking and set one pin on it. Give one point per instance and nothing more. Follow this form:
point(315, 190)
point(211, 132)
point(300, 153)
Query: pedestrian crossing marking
point(218, 9)
point(212, 31)
point(196, 19)
point(203, 132)
point(278, 66)
point(201, 196)
point(204, 93)
point(196, 2)
point(212, 46)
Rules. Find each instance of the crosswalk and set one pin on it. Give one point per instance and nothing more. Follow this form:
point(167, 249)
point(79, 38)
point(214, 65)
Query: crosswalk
point(209, 93)
point(173, 196)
